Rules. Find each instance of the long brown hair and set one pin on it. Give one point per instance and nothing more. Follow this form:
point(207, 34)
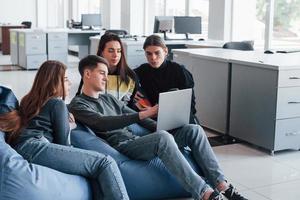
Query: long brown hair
point(48, 83)
point(123, 69)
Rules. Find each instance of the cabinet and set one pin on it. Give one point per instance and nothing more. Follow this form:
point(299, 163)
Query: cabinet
point(57, 46)
point(6, 37)
point(14, 46)
point(32, 48)
point(257, 95)
point(134, 52)
point(265, 106)
point(211, 79)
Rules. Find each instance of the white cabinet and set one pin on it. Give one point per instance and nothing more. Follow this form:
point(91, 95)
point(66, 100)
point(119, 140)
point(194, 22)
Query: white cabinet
point(14, 46)
point(57, 46)
point(32, 48)
point(211, 88)
point(265, 107)
point(134, 52)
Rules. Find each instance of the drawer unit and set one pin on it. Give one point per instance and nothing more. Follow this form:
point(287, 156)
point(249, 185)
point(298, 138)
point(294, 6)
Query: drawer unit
point(287, 134)
point(32, 48)
point(265, 111)
point(33, 43)
point(34, 61)
point(288, 102)
point(57, 46)
point(289, 78)
point(14, 46)
point(135, 50)
point(60, 57)
point(57, 36)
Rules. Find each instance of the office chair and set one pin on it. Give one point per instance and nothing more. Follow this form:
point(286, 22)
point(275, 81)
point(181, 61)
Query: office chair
point(27, 24)
point(119, 32)
point(244, 46)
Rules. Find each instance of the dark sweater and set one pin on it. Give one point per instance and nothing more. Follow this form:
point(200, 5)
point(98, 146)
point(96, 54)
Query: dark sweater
point(168, 76)
point(51, 122)
point(107, 117)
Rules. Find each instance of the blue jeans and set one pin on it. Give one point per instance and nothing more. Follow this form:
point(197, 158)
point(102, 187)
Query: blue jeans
point(166, 146)
point(98, 167)
point(138, 130)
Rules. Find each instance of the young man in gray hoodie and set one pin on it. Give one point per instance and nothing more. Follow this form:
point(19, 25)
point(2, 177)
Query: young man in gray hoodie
point(109, 119)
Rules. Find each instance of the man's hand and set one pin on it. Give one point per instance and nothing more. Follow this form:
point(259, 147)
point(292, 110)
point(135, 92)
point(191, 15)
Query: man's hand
point(149, 112)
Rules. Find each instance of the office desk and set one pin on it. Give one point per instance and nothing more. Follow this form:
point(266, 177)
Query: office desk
point(261, 99)
point(210, 71)
point(56, 43)
point(134, 48)
point(81, 38)
point(5, 47)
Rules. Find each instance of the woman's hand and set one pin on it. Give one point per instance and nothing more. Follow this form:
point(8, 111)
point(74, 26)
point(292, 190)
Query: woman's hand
point(72, 121)
point(141, 102)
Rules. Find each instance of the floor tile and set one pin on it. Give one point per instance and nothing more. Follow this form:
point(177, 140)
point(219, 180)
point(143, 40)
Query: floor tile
point(237, 152)
point(252, 195)
point(258, 172)
point(289, 158)
point(284, 191)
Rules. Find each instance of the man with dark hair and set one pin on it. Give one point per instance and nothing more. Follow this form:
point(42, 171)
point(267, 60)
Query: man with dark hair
point(109, 119)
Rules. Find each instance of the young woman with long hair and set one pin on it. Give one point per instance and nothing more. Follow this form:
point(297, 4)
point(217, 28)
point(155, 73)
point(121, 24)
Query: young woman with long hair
point(122, 83)
point(39, 131)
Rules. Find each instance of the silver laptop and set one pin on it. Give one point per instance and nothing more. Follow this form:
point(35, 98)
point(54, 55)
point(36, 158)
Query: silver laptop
point(174, 109)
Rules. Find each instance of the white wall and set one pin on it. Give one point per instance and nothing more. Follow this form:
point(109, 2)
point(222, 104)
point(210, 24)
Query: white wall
point(243, 23)
point(16, 11)
point(132, 16)
point(219, 22)
point(111, 13)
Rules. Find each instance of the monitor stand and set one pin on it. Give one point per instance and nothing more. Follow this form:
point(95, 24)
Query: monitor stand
point(187, 37)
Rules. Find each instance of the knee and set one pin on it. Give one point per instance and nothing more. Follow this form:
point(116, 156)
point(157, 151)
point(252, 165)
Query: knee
point(165, 138)
point(105, 160)
point(195, 130)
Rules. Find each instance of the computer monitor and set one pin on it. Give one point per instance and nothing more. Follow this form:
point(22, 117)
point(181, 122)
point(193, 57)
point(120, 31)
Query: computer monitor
point(163, 24)
point(91, 20)
point(187, 25)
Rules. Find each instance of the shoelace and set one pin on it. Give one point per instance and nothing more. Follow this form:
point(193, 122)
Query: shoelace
point(233, 192)
point(219, 197)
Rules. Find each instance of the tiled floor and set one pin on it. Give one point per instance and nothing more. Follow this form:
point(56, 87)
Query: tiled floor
point(254, 172)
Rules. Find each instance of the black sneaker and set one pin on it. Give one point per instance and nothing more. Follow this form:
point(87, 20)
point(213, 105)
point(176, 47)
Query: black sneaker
point(232, 194)
point(215, 196)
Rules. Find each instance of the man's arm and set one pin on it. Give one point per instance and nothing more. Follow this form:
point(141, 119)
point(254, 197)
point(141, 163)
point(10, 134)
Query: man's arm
point(147, 123)
point(99, 122)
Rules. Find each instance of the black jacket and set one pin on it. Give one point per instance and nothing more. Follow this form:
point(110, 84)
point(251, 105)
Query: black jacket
point(168, 76)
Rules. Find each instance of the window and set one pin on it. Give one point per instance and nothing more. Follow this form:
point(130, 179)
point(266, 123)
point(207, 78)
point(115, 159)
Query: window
point(153, 8)
point(84, 7)
point(286, 28)
point(200, 8)
point(51, 14)
point(175, 7)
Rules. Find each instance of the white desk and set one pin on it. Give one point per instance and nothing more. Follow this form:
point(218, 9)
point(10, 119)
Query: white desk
point(260, 94)
point(134, 48)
